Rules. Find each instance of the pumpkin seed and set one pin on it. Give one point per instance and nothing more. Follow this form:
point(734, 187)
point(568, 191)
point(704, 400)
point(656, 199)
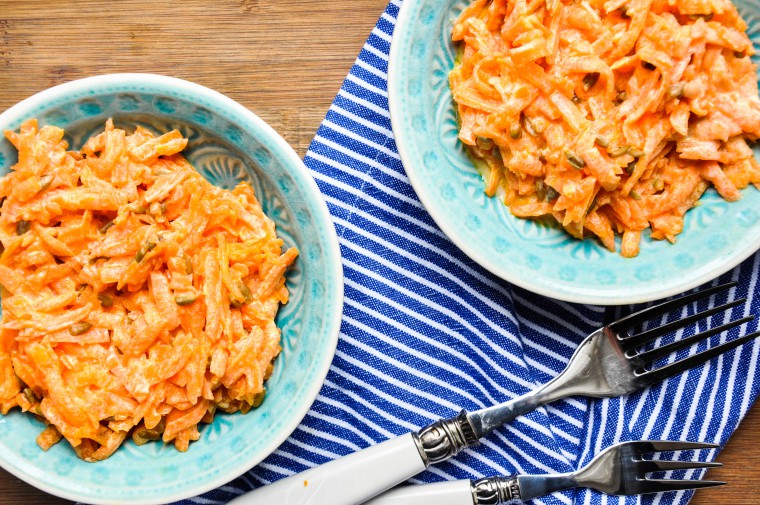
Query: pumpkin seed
point(80, 327)
point(45, 181)
point(247, 295)
point(574, 160)
point(103, 229)
point(629, 169)
point(145, 249)
point(706, 17)
point(515, 131)
point(30, 396)
point(259, 399)
point(675, 91)
point(22, 226)
point(484, 143)
point(185, 299)
point(602, 142)
point(617, 151)
point(105, 300)
point(590, 80)
point(551, 193)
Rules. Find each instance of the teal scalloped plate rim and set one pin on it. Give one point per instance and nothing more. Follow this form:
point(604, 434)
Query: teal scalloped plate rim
point(717, 235)
point(227, 143)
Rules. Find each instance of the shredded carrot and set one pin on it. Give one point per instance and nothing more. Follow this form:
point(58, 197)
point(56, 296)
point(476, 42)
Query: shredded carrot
point(611, 116)
point(137, 298)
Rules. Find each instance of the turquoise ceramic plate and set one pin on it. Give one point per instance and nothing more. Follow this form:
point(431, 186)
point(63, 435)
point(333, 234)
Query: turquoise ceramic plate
point(717, 235)
point(227, 144)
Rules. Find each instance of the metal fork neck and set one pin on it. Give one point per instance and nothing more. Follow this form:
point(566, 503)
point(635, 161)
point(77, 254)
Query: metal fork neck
point(517, 489)
point(495, 491)
point(446, 438)
point(486, 420)
point(583, 376)
point(593, 370)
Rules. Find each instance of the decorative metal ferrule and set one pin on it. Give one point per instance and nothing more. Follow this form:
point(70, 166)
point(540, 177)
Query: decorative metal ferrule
point(496, 491)
point(445, 438)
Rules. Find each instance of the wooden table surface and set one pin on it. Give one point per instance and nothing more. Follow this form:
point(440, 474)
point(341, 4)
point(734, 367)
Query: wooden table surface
point(283, 60)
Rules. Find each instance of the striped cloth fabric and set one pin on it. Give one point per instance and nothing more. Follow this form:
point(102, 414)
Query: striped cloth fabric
point(427, 332)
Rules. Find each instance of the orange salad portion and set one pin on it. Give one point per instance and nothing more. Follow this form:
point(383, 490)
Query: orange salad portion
point(137, 298)
point(611, 116)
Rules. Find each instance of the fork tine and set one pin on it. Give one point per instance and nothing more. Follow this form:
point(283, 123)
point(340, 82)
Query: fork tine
point(659, 352)
point(656, 465)
point(655, 310)
point(694, 360)
point(646, 336)
point(664, 485)
point(650, 446)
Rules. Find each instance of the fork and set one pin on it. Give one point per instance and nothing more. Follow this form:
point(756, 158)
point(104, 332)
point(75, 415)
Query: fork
point(612, 361)
point(619, 470)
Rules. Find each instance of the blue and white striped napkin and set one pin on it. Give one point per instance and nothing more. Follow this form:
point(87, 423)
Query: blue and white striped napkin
point(426, 332)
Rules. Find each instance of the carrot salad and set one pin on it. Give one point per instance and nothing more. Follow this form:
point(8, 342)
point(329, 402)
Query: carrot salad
point(609, 116)
point(137, 298)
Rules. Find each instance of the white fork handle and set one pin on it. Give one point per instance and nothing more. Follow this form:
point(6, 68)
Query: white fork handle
point(349, 480)
point(455, 492)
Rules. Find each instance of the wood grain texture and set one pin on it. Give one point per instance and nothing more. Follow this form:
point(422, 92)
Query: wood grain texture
point(283, 60)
